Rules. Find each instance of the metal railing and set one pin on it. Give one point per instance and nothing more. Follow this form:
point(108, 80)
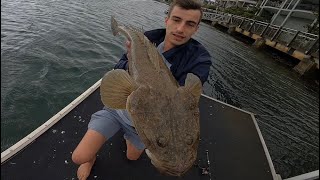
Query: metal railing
point(302, 41)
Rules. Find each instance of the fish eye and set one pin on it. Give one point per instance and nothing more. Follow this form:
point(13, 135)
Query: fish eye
point(189, 139)
point(161, 141)
point(192, 106)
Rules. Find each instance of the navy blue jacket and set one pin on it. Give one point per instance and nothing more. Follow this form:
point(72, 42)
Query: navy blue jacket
point(190, 57)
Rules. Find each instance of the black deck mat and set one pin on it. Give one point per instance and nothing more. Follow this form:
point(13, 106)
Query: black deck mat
point(229, 135)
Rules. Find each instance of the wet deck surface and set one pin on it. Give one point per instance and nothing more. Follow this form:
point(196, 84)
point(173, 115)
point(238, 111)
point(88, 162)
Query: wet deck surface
point(229, 135)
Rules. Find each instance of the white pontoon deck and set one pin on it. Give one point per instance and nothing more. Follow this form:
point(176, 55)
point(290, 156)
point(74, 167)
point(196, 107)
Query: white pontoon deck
point(230, 140)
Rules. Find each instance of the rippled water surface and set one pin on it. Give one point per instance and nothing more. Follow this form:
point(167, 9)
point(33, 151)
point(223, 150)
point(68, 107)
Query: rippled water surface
point(53, 50)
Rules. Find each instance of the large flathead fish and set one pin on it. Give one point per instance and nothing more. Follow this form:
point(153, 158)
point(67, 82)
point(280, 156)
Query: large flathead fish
point(165, 115)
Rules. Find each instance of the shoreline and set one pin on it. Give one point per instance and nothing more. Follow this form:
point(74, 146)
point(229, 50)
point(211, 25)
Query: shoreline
point(283, 58)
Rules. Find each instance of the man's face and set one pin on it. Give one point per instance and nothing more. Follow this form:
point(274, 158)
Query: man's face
point(181, 25)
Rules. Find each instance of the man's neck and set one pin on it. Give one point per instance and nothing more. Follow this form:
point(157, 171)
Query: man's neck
point(167, 46)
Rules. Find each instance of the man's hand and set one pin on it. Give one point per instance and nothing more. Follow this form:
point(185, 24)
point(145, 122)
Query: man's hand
point(128, 46)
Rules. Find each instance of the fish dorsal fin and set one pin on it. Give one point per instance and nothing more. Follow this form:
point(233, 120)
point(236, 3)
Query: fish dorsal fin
point(193, 85)
point(136, 28)
point(114, 26)
point(154, 54)
point(151, 49)
point(116, 86)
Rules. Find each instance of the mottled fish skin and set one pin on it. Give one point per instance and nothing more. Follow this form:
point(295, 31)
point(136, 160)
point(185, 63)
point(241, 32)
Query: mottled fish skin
point(146, 65)
point(165, 115)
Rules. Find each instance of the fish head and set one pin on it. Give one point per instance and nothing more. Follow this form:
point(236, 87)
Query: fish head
point(168, 126)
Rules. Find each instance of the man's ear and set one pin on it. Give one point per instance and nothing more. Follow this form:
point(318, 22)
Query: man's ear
point(196, 29)
point(166, 20)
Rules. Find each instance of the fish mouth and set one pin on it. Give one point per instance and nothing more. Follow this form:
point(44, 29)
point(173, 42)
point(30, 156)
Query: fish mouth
point(173, 170)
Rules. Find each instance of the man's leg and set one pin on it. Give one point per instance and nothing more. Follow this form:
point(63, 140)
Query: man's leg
point(132, 152)
point(135, 147)
point(85, 153)
point(103, 125)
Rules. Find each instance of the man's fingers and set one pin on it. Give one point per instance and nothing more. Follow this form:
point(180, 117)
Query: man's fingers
point(128, 44)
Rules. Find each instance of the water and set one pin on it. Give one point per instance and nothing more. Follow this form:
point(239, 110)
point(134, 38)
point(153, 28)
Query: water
point(52, 51)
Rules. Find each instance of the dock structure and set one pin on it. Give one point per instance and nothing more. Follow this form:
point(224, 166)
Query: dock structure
point(300, 45)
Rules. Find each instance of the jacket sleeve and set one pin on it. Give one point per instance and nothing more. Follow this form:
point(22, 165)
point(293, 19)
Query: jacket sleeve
point(203, 67)
point(122, 63)
point(200, 68)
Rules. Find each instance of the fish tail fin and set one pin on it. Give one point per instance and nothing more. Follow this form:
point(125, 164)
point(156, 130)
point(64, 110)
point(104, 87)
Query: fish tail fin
point(114, 26)
point(116, 86)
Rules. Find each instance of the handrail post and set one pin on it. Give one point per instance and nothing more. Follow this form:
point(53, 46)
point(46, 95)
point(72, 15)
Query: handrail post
point(313, 44)
point(229, 19)
point(264, 30)
point(251, 26)
point(275, 34)
point(294, 37)
point(241, 22)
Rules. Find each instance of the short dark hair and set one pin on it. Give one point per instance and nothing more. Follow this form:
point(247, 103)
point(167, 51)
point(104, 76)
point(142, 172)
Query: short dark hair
point(186, 4)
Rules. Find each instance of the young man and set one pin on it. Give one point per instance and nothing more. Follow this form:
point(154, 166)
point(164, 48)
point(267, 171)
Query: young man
point(182, 55)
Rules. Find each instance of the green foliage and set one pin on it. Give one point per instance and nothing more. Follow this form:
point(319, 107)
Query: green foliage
point(210, 6)
point(248, 13)
point(235, 10)
point(259, 18)
point(266, 15)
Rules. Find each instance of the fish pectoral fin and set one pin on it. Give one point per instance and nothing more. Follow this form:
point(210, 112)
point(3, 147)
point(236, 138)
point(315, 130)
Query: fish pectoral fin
point(116, 86)
point(193, 84)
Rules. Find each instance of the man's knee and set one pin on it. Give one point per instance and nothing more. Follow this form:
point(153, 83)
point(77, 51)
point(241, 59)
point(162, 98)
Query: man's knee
point(132, 152)
point(76, 158)
point(133, 157)
point(80, 158)
point(88, 147)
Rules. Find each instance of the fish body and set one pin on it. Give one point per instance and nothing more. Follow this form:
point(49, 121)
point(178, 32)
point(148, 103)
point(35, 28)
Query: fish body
point(165, 115)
